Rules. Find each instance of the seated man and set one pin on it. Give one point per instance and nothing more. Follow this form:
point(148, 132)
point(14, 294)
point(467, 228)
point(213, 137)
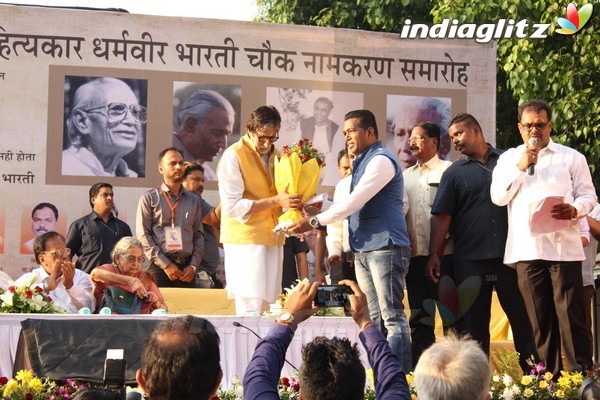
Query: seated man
point(331, 368)
point(181, 360)
point(69, 288)
point(453, 369)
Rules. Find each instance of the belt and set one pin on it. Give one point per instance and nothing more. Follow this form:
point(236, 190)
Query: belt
point(182, 261)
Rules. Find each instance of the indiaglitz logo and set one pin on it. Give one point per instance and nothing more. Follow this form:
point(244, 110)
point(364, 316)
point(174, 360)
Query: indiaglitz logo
point(575, 20)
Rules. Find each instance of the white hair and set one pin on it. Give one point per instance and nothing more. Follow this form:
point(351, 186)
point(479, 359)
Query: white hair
point(453, 369)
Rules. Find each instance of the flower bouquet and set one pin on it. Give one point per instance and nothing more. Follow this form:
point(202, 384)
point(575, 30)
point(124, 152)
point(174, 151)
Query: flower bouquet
point(299, 166)
point(27, 299)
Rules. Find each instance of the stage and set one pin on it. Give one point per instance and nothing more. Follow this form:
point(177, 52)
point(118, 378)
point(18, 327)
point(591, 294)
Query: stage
point(237, 344)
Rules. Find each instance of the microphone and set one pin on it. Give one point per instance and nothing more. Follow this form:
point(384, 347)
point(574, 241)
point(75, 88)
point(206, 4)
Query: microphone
point(532, 142)
point(238, 325)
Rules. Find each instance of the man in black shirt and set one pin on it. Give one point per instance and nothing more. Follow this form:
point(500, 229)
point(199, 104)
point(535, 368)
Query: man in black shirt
point(463, 207)
point(92, 238)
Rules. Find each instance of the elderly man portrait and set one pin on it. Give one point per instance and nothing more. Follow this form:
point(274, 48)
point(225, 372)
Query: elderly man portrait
point(202, 124)
point(69, 288)
point(93, 237)
point(325, 135)
point(404, 113)
point(44, 218)
point(104, 125)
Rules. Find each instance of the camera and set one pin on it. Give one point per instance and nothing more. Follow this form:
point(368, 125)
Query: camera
point(115, 367)
point(333, 296)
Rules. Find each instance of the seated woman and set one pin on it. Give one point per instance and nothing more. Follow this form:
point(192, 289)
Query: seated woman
point(125, 273)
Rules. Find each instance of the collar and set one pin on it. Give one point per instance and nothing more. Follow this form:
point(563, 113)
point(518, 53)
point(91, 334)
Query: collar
point(491, 150)
point(433, 161)
point(165, 188)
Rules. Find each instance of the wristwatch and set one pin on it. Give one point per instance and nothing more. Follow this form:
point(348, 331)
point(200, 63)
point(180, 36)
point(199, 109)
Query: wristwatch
point(314, 222)
point(286, 318)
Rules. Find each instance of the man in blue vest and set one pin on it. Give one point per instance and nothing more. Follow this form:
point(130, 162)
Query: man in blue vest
point(377, 229)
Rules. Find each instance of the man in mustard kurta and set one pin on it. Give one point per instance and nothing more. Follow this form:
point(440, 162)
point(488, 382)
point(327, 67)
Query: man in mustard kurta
point(250, 206)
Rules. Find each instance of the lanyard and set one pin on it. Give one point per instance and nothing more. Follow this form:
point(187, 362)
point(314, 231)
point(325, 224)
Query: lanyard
point(172, 207)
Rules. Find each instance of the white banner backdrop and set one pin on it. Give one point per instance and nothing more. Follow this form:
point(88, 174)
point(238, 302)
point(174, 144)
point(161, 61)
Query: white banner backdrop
point(47, 54)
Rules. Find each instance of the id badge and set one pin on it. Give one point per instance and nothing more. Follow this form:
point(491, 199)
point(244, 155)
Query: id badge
point(173, 238)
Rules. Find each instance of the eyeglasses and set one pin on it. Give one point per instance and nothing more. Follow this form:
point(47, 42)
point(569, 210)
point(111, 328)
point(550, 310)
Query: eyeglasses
point(265, 139)
point(133, 259)
point(539, 126)
point(58, 252)
point(116, 112)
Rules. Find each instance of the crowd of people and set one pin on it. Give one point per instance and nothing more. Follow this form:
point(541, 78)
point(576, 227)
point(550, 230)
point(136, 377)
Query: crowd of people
point(447, 234)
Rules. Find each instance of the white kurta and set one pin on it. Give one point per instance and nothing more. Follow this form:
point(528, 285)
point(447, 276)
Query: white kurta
point(253, 271)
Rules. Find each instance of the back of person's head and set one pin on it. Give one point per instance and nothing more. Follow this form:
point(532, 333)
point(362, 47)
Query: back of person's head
point(331, 370)
point(95, 393)
point(181, 360)
point(366, 119)
point(264, 117)
point(39, 244)
point(453, 369)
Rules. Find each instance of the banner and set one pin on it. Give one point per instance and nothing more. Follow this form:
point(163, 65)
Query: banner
point(92, 96)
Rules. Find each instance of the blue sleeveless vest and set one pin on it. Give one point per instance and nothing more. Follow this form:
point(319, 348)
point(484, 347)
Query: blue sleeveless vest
point(380, 223)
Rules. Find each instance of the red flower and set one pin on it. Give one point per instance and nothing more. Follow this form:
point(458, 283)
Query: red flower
point(305, 156)
point(38, 289)
point(301, 142)
point(28, 396)
point(319, 161)
point(12, 289)
point(50, 299)
point(3, 380)
point(285, 148)
point(28, 294)
point(285, 381)
point(313, 150)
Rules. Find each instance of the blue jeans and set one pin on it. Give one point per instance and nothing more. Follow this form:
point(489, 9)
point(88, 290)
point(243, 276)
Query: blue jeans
point(380, 275)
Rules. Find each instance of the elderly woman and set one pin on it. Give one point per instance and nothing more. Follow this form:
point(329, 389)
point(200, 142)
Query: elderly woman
point(125, 273)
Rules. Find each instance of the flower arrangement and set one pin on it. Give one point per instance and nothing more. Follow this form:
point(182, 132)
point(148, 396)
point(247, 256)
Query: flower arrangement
point(305, 151)
point(26, 386)
point(538, 384)
point(275, 308)
point(299, 168)
point(27, 299)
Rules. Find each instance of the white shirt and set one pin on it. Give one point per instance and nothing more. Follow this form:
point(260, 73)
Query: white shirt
point(378, 172)
point(337, 232)
point(231, 188)
point(71, 300)
point(417, 180)
point(560, 171)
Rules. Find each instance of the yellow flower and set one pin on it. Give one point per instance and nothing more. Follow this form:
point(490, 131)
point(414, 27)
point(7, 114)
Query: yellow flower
point(36, 385)
point(526, 380)
point(543, 384)
point(24, 375)
point(577, 378)
point(528, 392)
point(548, 376)
point(10, 387)
point(410, 378)
point(560, 394)
point(413, 397)
point(564, 382)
